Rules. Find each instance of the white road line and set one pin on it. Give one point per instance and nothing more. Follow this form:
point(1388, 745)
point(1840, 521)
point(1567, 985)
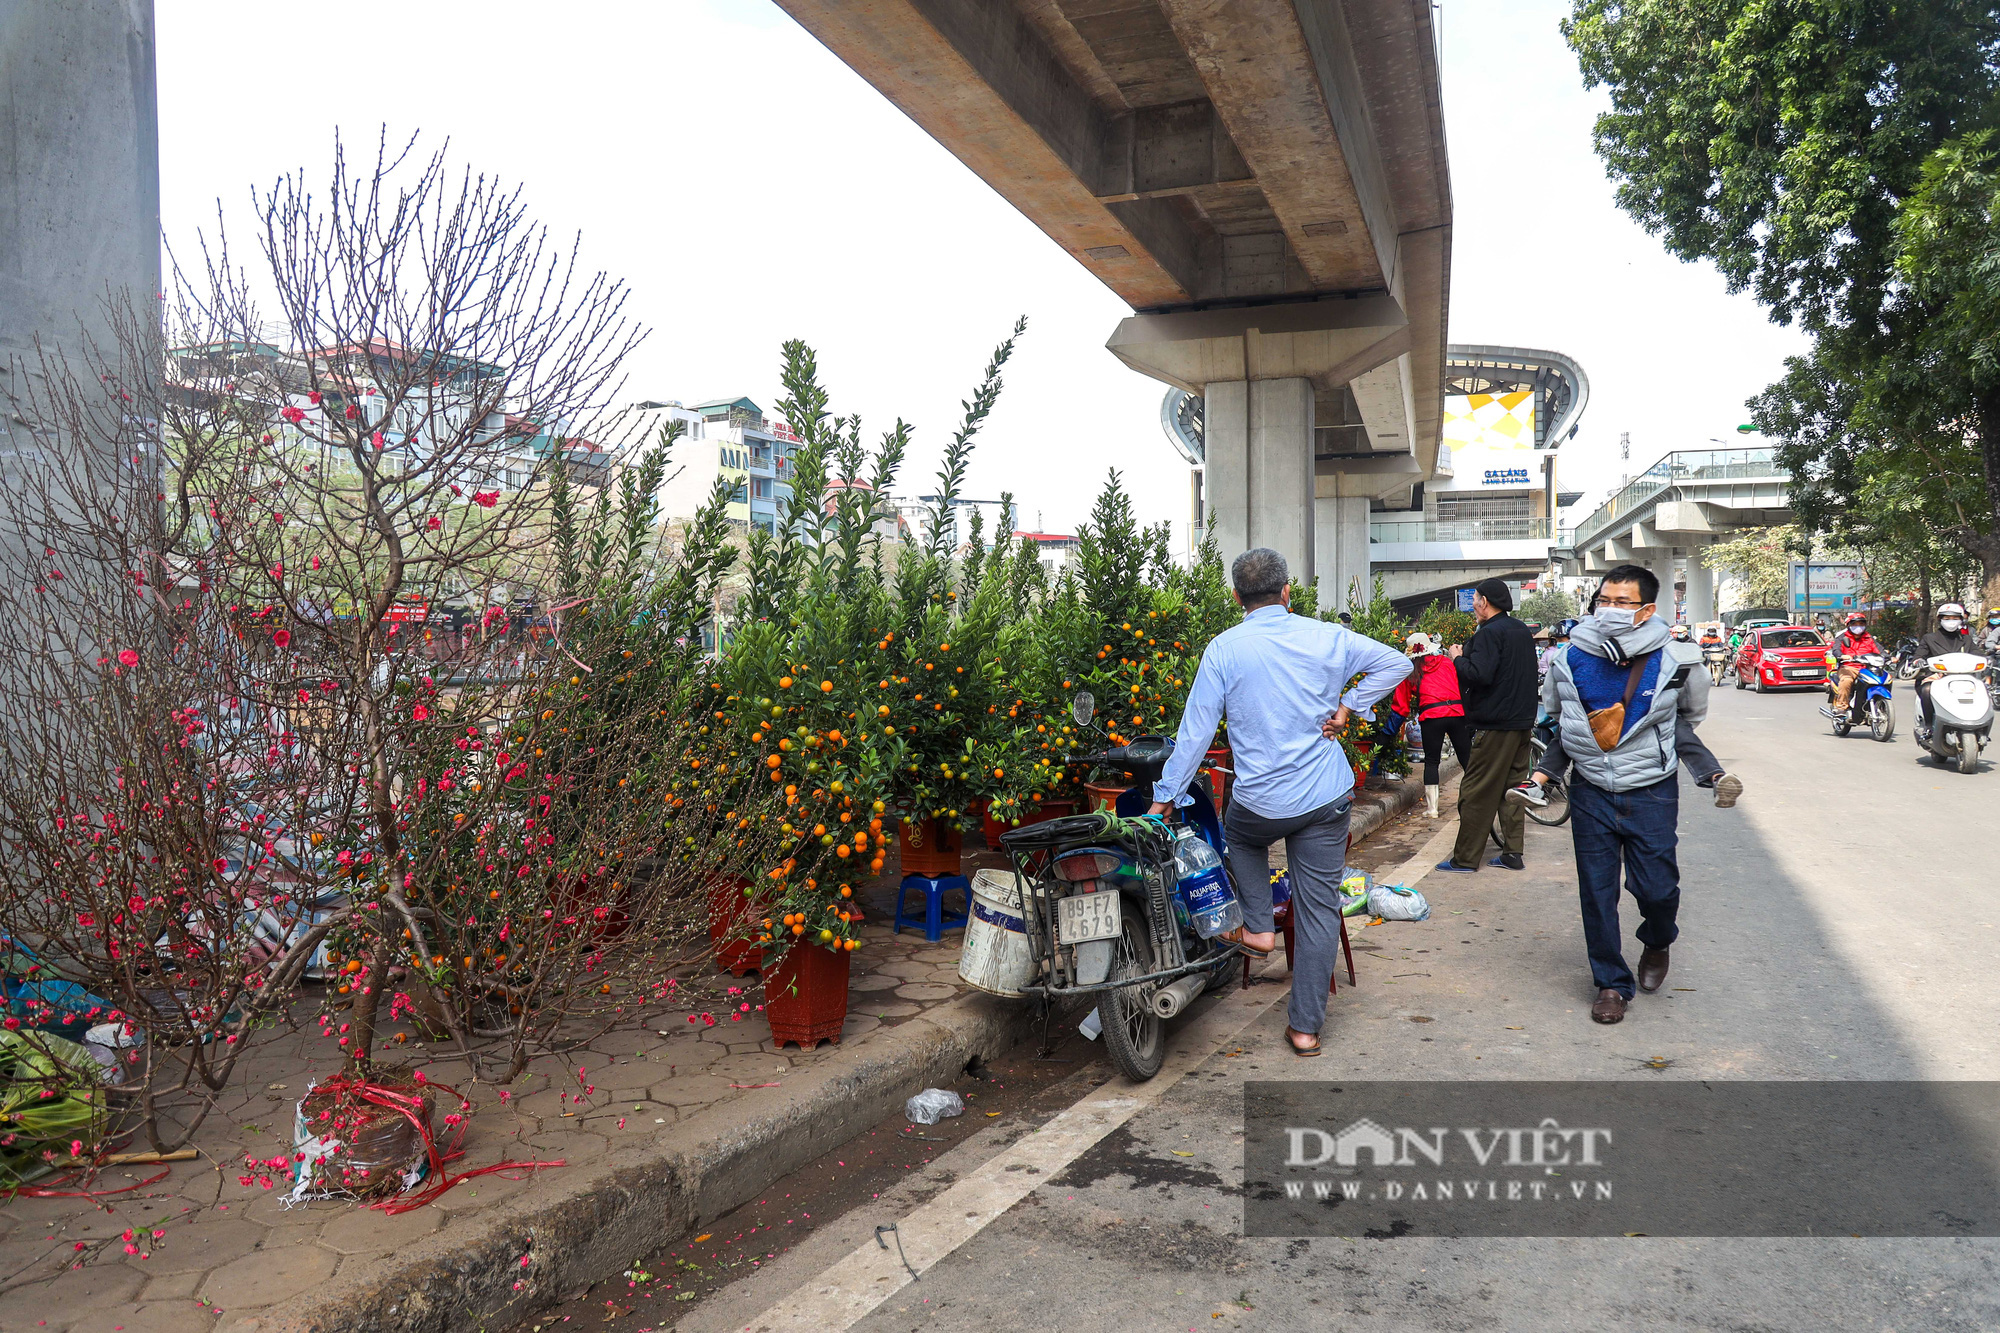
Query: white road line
point(1425, 861)
point(847, 1292)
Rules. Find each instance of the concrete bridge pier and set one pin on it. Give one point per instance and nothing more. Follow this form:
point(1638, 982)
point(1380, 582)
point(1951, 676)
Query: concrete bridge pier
point(1341, 556)
point(1264, 373)
point(1701, 588)
point(1259, 478)
point(79, 173)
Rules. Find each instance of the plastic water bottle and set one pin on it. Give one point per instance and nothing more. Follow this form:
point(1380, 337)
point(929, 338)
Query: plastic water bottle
point(1204, 887)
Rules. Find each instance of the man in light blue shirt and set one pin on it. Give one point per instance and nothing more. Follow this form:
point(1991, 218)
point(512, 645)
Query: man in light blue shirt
point(1276, 677)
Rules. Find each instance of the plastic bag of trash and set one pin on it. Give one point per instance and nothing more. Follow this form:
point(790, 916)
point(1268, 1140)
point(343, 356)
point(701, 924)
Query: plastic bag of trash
point(932, 1105)
point(1393, 902)
point(1354, 886)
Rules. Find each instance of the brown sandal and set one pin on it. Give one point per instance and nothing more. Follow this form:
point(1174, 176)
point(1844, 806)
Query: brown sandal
point(1302, 1051)
point(1235, 937)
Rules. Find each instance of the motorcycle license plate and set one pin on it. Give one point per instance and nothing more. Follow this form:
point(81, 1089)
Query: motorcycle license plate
point(1087, 916)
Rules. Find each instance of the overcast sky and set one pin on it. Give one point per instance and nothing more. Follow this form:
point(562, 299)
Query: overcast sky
point(750, 188)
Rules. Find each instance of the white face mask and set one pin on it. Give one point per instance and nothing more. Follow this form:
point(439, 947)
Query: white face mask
point(1611, 619)
point(1951, 624)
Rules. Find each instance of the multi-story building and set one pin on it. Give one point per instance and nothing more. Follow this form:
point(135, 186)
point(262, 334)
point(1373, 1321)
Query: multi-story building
point(915, 517)
point(729, 438)
point(1058, 549)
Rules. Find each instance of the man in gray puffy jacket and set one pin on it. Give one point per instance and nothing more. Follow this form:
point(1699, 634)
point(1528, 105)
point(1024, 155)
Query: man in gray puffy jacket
point(1617, 695)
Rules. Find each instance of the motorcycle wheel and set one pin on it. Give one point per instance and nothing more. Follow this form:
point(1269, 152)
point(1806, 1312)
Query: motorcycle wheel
point(1842, 724)
point(1882, 719)
point(1134, 1036)
point(1968, 752)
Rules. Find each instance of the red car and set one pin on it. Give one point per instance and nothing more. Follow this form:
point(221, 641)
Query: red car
point(1782, 657)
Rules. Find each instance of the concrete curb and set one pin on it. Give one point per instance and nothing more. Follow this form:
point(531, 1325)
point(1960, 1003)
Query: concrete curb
point(590, 1221)
point(1375, 807)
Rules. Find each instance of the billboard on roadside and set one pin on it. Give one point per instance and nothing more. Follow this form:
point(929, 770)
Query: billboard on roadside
point(1836, 586)
point(1492, 439)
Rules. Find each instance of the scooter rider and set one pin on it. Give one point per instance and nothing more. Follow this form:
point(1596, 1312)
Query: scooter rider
point(1851, 643)
point(1952, 635)
point(1992, 639)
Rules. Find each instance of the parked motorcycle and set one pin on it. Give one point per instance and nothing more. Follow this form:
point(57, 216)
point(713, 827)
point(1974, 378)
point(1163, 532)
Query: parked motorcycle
point(1870, 703)
point(1961, 710)
point(1126, 907)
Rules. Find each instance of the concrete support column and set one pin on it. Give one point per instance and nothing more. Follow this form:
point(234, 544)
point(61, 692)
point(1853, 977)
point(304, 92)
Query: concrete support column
point(79, 172)
point(1701, 588)
point(1340, 528)
point(1258, 438)
point(1661, 561)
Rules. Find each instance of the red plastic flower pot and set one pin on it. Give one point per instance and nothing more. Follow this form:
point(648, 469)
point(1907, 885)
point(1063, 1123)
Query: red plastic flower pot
point(805, 996)
point(938, 852)
point(732, 919)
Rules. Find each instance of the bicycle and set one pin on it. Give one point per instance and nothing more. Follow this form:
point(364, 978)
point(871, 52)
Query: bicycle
point(1556, 812)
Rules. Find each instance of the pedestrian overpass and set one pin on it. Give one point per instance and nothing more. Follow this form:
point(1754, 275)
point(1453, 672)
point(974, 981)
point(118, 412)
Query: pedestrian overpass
point(1663, 517)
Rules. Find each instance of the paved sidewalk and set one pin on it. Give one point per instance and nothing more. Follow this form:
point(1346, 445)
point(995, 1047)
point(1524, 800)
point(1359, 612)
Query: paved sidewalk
point(209, 1253)
point(225, 1249)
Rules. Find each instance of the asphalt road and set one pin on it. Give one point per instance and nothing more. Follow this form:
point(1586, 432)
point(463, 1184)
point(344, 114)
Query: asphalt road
point(1839, 923)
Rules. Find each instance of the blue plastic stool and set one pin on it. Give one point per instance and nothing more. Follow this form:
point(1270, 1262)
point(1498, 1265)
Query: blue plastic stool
point(935, 920)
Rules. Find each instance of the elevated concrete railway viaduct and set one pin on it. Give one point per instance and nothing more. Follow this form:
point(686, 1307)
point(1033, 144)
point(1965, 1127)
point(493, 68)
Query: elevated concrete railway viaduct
point(1263, 181)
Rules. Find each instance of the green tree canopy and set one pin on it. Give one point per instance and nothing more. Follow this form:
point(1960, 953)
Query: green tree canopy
point(1833, 158)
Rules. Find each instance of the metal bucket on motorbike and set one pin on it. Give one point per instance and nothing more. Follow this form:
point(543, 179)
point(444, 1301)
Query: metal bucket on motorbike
point(995, 956)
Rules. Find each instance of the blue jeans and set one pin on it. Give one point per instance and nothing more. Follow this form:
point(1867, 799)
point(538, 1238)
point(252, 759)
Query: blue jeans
point(1638, 832)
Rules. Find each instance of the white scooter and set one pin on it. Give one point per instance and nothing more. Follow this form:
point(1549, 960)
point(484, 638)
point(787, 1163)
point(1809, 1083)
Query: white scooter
point(1961, 710)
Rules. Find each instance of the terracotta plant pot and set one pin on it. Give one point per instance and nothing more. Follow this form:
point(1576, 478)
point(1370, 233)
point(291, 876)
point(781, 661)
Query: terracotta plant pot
point(731, 919)
point(1056, 810)
point(1104, 796)
point(805, 996)
point(936, 855)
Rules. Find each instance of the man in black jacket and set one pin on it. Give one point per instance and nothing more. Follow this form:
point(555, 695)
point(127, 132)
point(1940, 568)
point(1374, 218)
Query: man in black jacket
point(1496, 679)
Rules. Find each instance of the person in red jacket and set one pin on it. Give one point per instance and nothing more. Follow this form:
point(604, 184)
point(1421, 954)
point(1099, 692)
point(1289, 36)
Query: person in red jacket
point(1848, 645)
point(1430, 694)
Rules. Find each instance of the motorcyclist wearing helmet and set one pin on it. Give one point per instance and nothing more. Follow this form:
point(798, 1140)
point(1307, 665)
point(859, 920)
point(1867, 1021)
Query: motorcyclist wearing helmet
point(1558, 641)
point(1848, 646)
point(1680, 632)
point(1952, 635)
point(1710, 637)
point(1992, 639)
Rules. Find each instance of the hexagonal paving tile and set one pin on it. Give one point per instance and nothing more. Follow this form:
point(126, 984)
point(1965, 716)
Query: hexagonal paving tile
point(760, 1067)
point(268, 1276)
point(155, 1316)
point(909, 969)
point(925, 991)
point(691, 1090)
point(69, 1298)
point(874, 983)
point(895, 1009)
point(367, 1231)
point(203, 1245)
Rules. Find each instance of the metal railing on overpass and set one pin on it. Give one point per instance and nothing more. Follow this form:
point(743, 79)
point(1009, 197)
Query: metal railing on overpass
point(1683, 467)
point(1463, 530)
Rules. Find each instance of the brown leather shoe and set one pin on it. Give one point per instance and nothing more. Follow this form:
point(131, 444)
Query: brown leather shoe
point(1610, 1007)
point(1652, 969)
